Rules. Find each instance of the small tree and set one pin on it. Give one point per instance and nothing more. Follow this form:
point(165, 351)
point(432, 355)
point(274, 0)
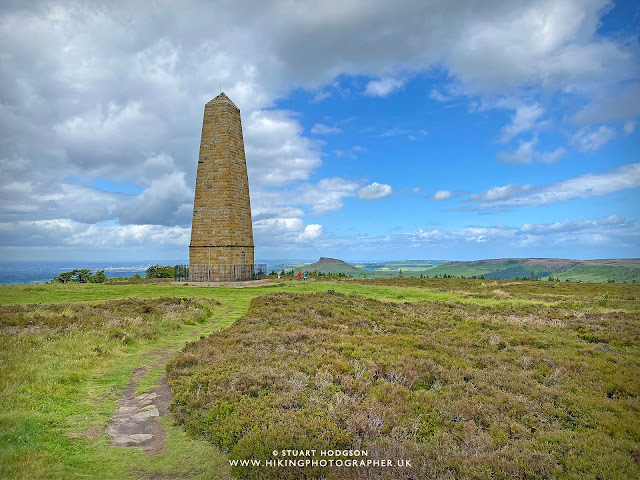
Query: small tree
point(98, 277)
point(64, 277)
point(160, 271)
point(83, 275)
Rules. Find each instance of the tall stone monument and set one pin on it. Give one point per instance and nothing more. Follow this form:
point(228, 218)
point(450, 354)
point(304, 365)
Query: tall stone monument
point(221, 246)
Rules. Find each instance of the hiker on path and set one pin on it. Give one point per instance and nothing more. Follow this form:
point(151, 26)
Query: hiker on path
point(299, 275)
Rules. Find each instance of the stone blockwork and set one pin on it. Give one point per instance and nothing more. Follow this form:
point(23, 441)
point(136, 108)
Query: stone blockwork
point(221, 231)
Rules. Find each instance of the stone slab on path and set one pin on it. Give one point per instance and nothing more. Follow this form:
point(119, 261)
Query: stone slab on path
point(135, 422)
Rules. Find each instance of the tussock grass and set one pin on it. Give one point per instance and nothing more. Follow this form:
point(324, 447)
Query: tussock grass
point(464, 390)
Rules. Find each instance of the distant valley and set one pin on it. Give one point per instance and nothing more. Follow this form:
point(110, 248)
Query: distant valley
point(598, 271)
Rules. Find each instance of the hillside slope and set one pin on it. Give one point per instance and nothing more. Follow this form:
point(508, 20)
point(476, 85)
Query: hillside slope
point(619, 270)
point(333, 265)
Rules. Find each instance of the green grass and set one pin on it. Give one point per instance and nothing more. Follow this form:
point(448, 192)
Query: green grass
point(406, 289)
point(61, 369)
point(600, 273)
point(458, 271)
point(67, 351)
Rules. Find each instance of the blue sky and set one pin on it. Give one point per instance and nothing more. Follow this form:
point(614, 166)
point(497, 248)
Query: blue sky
point(373, 130)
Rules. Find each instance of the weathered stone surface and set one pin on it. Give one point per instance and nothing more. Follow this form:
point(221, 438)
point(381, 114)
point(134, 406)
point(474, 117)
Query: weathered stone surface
point(135, 421)
point(221, 231)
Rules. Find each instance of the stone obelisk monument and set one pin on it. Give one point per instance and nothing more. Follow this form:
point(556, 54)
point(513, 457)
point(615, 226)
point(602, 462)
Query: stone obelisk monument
point(221, 246)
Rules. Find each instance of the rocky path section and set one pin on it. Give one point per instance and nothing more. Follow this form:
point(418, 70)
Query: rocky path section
point(135, 421)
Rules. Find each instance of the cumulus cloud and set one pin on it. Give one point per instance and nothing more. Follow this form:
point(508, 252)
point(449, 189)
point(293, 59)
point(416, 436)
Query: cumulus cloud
point(276, 152)
point(311, 232)
point(375, 191)
point(586, 139)
point(167, 201)
point(114, 93)
point(320, 198)
point(285, 231)
point(442, 195)
point(65, 232)
point(278, 214)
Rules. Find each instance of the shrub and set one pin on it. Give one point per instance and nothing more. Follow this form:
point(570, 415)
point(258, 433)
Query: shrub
point(443, 384)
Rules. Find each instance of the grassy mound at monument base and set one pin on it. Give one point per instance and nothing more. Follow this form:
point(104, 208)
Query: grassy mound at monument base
point(459, 390)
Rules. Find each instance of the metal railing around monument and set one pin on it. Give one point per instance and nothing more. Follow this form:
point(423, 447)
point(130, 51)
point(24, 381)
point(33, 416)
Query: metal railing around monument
point(219, 273)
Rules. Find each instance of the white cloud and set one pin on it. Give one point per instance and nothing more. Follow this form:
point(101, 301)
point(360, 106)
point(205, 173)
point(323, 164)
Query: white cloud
point(552, 157)
point(312, 199)
point(64, 232)
point(500, 193)
point(278, 231)
point(611, 104)
point(322, 129)
point(89, 96)
point(311, 232)
point(586, 139)
point(326, 196)
point(375, 191)
point(611, 220)
point(612, 231)
point(442, 195)
point(383, 87)
point(526, 153)
point(438, 96)
point(276, 152)
point(523, 154)
point(583, 186)
point(525, 119)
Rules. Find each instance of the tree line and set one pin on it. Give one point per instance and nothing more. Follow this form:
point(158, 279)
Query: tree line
point(85, 275)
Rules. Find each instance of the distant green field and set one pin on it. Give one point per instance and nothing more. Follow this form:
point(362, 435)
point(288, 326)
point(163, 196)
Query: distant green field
point(458, 271)
point(502, 269)
point(600, 273)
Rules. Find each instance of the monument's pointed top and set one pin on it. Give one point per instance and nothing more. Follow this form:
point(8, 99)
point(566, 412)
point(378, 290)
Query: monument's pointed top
point(222, 98)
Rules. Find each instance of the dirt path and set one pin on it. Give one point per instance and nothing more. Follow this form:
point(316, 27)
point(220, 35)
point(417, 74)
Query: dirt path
point(135, 421)
point(247, 284)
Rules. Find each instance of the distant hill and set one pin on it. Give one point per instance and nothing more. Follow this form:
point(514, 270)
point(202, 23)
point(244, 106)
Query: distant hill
point(597, 271)
point(334, 265)
point(603, 270)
